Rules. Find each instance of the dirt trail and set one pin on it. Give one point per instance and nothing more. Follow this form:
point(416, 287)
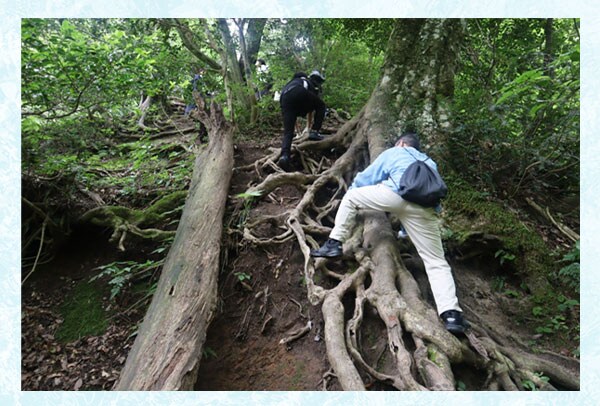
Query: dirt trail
point(243, 350)
point(262, 299)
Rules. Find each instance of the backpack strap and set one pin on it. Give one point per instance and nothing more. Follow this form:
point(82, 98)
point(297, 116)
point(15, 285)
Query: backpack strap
point(417, 159)
point(292, 84)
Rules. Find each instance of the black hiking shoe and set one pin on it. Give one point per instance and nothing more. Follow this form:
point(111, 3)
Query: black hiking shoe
point(454, 322)
point(285, 163)
point(315, 136)
point(331, 249)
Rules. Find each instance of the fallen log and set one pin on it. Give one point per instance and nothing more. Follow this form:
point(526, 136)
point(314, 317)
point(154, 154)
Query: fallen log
point(168, 348)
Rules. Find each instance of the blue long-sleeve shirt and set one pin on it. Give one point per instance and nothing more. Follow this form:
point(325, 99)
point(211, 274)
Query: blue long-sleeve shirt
point(389, 166)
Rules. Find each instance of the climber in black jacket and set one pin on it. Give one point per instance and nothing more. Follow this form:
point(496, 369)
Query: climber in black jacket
point(299, 97)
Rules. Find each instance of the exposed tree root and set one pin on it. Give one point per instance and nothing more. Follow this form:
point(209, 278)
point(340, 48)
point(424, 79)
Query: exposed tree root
point(274, 180)
point(572, 235)
point(297, 333)
point(421, 351)
point(123, 220)
point(327, 376)
point(421, 354)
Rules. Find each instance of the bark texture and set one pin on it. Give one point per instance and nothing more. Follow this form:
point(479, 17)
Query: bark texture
point(168, 347)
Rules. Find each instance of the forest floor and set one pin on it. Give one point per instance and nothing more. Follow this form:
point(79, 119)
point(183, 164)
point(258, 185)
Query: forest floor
point(262, 299)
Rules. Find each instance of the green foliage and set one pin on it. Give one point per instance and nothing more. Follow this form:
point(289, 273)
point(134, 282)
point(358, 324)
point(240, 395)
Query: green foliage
point(349, 86)
point(350, 63)
point(208, 353)
point(83, 313)
point(517, 107)
point(566, 304)
point(537, 311)
point(122, 273)
point(79, 78)
point(374, 32)
point(504, 256)
point(248, 195)
point(542, 377)
point(511, 293)
point(553, 320)
point(529, 385)
point(474, 210)
point(82, 78)
point(554, 324)
point(498, 283)
point(570, 273)
point(242, 276)
point(471, 209)
point(249, 200)
point(70, 66)
point(516, 136)
point(431, 354)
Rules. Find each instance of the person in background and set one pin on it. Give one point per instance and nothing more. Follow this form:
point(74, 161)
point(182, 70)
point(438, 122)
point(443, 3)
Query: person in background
point(376, 188)
point(197, 85)
point(263, 78)
point(299, 97)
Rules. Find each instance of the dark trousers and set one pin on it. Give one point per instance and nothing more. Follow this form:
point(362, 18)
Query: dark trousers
point(298, 102)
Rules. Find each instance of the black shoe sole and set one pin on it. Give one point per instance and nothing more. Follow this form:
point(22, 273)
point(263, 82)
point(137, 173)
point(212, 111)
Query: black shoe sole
point(458, 330)
point(319, 255)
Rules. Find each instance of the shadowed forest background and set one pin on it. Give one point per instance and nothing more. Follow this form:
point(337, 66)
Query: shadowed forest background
point(162, 247)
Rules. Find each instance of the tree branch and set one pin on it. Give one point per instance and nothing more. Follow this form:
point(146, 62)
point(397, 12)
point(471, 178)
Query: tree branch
point(189, 41)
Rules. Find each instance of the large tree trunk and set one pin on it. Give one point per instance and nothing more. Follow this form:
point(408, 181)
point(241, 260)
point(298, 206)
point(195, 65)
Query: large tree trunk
point(254, 36)
point(413, 94)
point(251, 42)
point(246, 69)
point(417, 82)
point(239, 91)
point(234, 81)
point(168, 347)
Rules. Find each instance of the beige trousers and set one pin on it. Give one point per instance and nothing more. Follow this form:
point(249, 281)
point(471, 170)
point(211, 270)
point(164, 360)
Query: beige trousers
point(420, 223)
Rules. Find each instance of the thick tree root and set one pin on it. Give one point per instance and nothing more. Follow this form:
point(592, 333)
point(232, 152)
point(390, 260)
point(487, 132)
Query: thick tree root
point(123, 220)
point(421, 353)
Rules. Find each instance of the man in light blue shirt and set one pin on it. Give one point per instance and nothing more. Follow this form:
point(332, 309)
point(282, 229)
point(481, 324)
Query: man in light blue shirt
point(377, 188)
point(389, 166)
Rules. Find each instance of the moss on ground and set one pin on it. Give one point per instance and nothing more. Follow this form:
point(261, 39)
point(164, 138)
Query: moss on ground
point(82, 313)
point(299, 376)
point(470, 210)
